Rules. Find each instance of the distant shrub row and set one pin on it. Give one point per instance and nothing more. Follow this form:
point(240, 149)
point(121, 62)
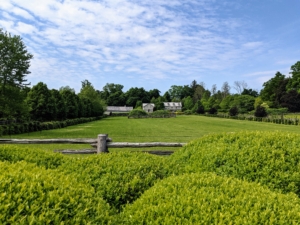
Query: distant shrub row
point(285, 121)
point(119, 114)
point(138, 113)
point(19, 128)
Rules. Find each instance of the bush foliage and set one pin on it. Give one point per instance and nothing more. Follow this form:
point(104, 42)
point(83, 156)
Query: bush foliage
point(199, 184)
point(119, 178)
point(137, 113)
point(270, 158)
point(42, 158)
point(234, 111)
point(210, 199)
point(260, 111)
point(27, 127)
point(160, 113)
point(33, 195)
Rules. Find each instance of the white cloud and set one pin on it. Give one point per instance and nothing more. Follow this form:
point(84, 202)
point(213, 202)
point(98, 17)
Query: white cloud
point(24, 28)
point(260, 73)
point(150, 39)
point(21, 12)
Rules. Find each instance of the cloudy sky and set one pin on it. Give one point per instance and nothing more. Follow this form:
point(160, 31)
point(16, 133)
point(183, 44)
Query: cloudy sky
point(155, 43)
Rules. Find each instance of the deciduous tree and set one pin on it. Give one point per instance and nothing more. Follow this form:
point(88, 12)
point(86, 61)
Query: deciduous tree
point(14, 66)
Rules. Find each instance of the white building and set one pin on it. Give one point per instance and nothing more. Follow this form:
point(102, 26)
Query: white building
point(173, 106)
point(118, 109)
point(148, 107)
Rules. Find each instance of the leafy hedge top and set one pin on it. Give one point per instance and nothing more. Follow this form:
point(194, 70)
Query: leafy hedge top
point(160, 113)
point(34, 195)
point(210, 199)
point(119, 178)
point(137, 112)
point(270, 158)
point(46, 159)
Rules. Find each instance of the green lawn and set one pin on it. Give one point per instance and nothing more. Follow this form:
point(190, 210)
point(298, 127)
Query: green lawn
point(121, 129)
point(180, 129)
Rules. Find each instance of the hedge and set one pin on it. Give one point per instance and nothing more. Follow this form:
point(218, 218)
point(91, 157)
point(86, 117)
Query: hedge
point(137, 113)
point(210, 199)
point(119, 178)
point(39, 126)
point(271, 119)
point(46, 159)
point(33, 195)
point(269, 158)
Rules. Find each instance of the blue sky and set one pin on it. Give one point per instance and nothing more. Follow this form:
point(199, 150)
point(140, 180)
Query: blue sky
point(155, 43)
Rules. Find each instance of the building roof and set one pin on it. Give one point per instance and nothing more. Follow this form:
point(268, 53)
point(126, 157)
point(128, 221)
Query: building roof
point(119, 108)
point(172, 104)
point(145, 104)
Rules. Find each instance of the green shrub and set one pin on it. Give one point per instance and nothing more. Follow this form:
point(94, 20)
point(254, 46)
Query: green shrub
point(119, 178)
point(212, 111)
point(188, 112)
point(12, 153)
point(211, 199)
point(234, 111)
point(160, 113)
point(270, 158)
point(260, 111)
point(137, 113)
point(279, 111)
point(33, 195)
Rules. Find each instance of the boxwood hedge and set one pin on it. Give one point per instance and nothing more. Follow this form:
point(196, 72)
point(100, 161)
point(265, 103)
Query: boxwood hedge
point(119, 178)
point(34, 195)
point(269, 158)
point(46, 159)
point(210, 199)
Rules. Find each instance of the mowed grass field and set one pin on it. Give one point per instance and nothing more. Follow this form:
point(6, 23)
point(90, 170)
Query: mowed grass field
point(179, 129)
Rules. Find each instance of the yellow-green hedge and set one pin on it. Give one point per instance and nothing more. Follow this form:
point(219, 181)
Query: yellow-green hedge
point(34, 195)
point(210, 199)
point(270, 158)
point(119, 178)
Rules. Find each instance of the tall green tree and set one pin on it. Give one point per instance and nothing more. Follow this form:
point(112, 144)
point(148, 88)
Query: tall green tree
point(136, 94)
point(274, 89)
point(88, 91)
point(113, 94)
point(294, 82)
point(188, 103)
point(42, 106)
point(14, 65)
point(71, 100)
point(61, 110)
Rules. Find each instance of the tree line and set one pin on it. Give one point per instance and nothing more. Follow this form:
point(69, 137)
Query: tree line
point(18, 100)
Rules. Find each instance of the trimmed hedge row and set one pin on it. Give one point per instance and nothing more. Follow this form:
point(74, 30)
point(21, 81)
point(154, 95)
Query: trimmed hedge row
point(119, 178)
point(33, 195)
point(39, 126)
point(269, 158)
point(42, 158)
point(210, 199)
point(258, 119)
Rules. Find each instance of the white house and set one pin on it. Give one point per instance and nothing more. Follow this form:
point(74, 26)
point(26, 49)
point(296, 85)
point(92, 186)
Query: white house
point(173, 106)
point(148, 107)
